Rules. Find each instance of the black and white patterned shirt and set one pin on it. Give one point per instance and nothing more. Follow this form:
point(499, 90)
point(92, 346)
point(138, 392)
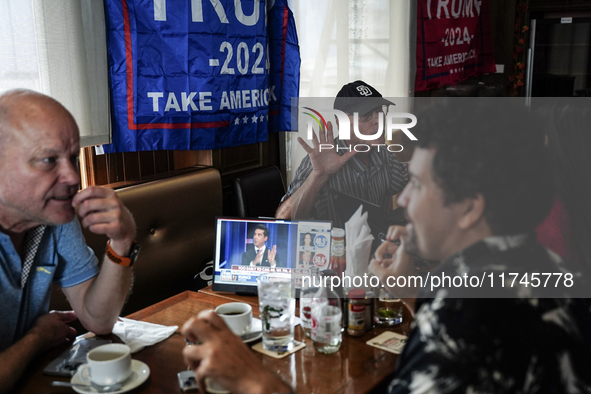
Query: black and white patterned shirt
point(376, 183)
point(517, 343)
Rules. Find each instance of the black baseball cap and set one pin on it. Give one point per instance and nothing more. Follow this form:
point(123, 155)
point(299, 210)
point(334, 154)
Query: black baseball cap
point(349, 98)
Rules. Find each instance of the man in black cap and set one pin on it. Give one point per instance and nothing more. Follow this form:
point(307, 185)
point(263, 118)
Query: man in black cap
point(374, 175)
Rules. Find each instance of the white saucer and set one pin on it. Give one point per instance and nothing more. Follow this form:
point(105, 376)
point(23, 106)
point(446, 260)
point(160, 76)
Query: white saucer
point(255, 326)
point(140, 372)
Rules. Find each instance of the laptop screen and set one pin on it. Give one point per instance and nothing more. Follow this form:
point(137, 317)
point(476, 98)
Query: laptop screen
point(248, 248)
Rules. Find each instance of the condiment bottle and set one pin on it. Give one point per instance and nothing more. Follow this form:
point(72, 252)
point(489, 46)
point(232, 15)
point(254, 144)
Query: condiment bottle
point(338, 260)
point(356, 312)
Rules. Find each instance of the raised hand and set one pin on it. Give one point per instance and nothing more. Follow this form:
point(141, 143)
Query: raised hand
point(272, 254)
point(327, 161)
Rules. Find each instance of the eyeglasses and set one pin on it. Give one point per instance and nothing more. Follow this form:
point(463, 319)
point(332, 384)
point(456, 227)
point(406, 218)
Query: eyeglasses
point(370, 115)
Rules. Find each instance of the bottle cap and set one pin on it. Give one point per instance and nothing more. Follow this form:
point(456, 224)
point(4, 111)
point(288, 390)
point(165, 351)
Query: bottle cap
point(358, 294)
point(337, 232)
point(328, 272)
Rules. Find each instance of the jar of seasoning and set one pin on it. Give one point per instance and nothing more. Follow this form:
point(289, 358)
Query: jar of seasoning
point(356, 312)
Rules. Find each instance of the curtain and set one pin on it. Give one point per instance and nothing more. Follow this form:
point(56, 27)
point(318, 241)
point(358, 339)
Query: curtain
point(347, 40)
point(58, 48)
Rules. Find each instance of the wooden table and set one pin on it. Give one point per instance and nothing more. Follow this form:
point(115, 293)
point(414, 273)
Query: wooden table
point(356, 368)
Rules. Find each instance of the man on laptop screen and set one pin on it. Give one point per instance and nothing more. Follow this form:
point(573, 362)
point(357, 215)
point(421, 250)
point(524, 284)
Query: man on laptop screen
point(260, 255)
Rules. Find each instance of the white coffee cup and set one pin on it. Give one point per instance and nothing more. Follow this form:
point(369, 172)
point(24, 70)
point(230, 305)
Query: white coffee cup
point(237, 315)
point(106, 365)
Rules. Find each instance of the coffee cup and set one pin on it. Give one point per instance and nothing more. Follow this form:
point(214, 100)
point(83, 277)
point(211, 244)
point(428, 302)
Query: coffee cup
point(106, 365)
point(237, 315)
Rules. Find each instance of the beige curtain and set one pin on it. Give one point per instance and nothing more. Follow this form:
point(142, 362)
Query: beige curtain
point(58, 47)
point(346, 40)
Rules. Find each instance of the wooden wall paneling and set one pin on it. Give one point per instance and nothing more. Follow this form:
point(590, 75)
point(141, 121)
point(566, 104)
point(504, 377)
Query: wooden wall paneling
point(101, 176)
point(86, 167)
point(187, 158)
point(146, 163)
point(162, 161)
point(131, 165)
point(115, 167)
point(238, 158)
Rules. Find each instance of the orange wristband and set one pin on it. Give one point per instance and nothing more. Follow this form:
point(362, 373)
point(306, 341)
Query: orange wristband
point(124, 261)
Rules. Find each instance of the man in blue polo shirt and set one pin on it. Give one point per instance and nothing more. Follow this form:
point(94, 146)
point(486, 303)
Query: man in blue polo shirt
point(40, 237)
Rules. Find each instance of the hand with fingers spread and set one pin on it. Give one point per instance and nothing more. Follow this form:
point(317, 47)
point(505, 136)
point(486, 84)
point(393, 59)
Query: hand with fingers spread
point(271, 255)
point(391, 260)
point(222, 357)
point(327, 161)
point(324, 163)
point(102, 212)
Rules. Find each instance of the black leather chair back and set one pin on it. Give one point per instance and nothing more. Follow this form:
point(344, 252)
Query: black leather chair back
point(258, 193)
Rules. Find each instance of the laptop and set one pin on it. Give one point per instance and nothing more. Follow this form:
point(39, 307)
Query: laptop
point(299, 245)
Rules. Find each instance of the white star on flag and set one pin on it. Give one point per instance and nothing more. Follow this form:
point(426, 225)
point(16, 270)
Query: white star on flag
point(261, 118)
point(237, 121)
point(245, 119)
point(254, 118)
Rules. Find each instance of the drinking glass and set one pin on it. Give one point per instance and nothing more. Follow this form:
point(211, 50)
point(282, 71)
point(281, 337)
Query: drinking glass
point(277, 308)
point(388, 309)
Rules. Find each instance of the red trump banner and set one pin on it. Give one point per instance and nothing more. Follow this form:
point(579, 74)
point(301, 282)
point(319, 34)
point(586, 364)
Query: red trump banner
point(453, 42)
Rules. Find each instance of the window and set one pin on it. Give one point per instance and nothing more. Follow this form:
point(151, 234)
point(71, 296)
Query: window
point(58, 48)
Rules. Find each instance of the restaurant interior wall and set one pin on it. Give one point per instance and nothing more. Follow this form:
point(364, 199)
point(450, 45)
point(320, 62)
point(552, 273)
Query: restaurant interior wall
point(352, 36)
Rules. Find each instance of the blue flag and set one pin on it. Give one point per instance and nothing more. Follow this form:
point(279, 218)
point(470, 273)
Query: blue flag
point(199, 74)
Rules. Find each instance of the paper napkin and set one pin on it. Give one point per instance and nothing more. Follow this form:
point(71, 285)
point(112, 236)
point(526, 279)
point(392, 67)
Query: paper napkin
point(358, 244)
point(138, 334)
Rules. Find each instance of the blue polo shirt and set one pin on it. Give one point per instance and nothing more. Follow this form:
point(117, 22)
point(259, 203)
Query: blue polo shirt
point(63, 257)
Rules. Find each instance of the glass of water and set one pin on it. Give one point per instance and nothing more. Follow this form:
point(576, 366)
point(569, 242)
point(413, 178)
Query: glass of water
point(277, 308)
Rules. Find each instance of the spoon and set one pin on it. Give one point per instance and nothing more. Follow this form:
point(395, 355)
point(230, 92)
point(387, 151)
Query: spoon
point(100, 389)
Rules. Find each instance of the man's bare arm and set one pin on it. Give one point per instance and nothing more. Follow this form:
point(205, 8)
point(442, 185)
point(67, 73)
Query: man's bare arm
point(98, 301)
point(302, 200)
point(284, 210)
point(50, 330)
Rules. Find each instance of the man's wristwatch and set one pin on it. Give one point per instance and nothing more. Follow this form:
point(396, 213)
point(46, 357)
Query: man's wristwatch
point(124, 261)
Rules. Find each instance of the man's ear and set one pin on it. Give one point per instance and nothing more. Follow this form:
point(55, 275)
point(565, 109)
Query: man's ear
point(472, 212)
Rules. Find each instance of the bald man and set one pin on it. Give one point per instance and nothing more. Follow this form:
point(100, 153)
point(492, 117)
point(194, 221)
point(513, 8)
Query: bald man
point(40, 237)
